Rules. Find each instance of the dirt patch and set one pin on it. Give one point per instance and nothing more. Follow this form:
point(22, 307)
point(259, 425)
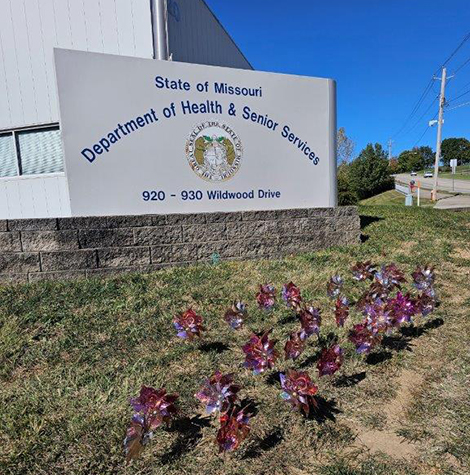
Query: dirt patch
point(463, 253)
point(387, 441)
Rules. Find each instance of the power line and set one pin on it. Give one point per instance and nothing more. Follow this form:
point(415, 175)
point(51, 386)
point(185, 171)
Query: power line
point(459, 105)
point(467, 37)
point(462, 66)
point(458, 97)
point(428, 88)
point(424, 133)
point(424, 113)
point(416, 107)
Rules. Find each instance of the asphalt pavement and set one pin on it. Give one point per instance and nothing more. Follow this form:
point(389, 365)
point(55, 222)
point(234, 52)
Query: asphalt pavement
point(443, 184)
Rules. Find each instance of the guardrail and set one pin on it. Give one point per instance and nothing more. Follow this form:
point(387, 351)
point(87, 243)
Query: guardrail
point(402, 189)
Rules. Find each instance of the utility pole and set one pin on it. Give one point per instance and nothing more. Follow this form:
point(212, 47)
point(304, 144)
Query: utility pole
point(390, 142)
point(442, 101)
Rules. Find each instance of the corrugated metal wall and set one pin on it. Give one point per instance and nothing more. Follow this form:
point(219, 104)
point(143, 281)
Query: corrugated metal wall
point(40, 196)
point(30, 29)
point(196, 36)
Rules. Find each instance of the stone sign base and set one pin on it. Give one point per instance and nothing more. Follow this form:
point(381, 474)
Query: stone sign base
point(65, 248)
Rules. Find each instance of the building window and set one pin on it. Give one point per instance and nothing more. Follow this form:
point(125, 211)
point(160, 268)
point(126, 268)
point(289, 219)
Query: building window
point(8, 163)
point(32, 151)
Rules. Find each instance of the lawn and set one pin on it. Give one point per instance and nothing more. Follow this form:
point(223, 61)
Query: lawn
point(73, 353)
point(394, 198)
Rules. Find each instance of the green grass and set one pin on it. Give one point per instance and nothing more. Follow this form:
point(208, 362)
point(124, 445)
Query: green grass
point(73, 353)
point(393, 198)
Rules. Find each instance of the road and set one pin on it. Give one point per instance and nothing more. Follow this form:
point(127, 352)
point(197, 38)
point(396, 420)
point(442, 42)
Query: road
point(444, 184)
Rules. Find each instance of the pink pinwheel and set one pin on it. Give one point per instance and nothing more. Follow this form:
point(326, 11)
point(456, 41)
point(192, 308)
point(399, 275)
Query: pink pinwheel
point(364, 338)
point(334, 286)
point(341, 310)
point(426, 302)
point(298, 390)
point(294, 346)
point(234, 429)
point(401, 309)
point(330, 360)
point(236, 315)
point(310, 321)
point(291, 295)
point(156, 405)
point(363, 271)
point(153, 407)
point(266, 297)
point(260, 352)
point(218, 393)
point(188, 324)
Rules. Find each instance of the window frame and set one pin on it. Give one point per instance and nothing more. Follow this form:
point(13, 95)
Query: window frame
point(32, 128)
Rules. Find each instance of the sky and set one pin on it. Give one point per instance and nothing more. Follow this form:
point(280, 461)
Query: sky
point(382, 53)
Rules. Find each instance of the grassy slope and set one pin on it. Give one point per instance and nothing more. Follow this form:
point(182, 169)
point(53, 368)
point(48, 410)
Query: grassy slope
point(72, 354)
point(392, 198)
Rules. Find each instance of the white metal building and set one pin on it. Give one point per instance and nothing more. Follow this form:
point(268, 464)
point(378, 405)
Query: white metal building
point(32, 180)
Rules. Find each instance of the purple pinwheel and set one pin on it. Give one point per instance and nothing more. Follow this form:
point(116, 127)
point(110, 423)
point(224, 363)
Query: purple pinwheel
point(330, 360)
point(363, 271)
point(401, 309)
point(236, 315)
point(426, 302)
point(218, 393)
point(364, 338)
point(291, 295)
point(153, 407)
point(260, 352)
point(298, 390)
point(377, 316)
point(234, 429)
point(341, 310)
point(310, 321)
point(294, 346)
point(334, 286)
point(188, 324)
point(390, 277)
point(423, 278)
point(266, 296)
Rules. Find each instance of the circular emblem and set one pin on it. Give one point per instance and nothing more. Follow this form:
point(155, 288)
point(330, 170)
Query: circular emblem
point(214, 151)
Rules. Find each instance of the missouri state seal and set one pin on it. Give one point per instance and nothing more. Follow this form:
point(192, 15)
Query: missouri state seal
point(214, 151)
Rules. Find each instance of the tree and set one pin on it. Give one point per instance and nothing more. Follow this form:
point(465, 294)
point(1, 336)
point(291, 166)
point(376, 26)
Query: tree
point(369, 174)
point(345, 194)
point(427, 155)
point(409, 160)
point(458, 148)
point(344, 145)
point(416, 159)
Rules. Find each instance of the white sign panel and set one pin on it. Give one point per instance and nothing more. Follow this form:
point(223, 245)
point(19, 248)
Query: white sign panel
point(144, 136)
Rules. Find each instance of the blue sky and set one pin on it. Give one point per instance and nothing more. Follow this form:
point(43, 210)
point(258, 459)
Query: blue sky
point(381, 53)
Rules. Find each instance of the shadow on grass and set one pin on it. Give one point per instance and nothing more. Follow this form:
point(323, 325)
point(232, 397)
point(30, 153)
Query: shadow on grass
point(189, 433)
point(322, 410)
point(288, 319)
point(348, 381)
point(415, 332)
point(311, 360)
point(378, 357)
point(263, 445)
point(366, 220)
point(214, 347)
point(250, 406)
point(397, 343)
point(273, 378)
